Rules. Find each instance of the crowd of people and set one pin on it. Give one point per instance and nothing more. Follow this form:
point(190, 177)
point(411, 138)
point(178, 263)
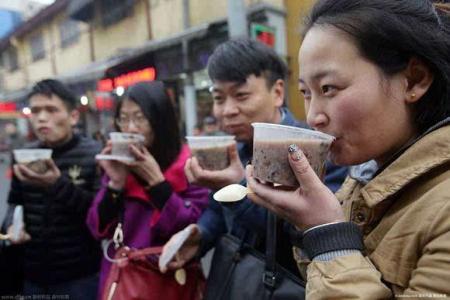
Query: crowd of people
point(375, 74)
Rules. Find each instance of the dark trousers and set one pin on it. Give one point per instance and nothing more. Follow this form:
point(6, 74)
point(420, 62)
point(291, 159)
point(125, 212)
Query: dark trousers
point(79, 289)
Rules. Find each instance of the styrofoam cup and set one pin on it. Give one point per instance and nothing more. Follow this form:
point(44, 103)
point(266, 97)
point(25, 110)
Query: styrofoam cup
point(33, 158)
point(121, 141)
point(270, 151)
point(24, 156)
point(211, 151)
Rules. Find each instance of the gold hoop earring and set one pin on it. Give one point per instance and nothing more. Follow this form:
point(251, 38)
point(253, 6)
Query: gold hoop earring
point(413, 95)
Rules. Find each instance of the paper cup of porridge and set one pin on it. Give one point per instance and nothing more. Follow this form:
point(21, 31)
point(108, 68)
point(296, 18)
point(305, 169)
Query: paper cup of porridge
point(211, 151)
point(121, 141)
point(270, 151)
point(33, 158)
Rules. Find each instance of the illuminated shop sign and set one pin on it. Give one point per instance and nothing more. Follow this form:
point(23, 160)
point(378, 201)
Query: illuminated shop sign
point(8, 107)
point(104, 101)
point(125, 80)
point(263, 33)
point(8, 110)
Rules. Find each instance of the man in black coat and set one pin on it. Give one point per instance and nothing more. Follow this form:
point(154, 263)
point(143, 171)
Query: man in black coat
point(60, 256)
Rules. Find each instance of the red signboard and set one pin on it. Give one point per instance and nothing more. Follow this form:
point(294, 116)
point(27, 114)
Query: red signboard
point(128, 79)
point(263, 33)
point(8, 106)
point(104, 103)
point(267, 38)
point(105, 85)
point(125, 80)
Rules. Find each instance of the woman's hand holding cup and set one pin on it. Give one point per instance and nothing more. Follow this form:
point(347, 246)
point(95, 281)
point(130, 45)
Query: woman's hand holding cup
point(309, 205)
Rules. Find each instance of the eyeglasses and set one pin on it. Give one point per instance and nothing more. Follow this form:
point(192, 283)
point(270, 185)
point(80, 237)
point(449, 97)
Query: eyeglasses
point(138, 121)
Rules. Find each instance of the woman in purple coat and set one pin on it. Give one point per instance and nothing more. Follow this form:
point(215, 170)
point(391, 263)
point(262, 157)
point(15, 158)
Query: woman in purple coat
point(151, 193)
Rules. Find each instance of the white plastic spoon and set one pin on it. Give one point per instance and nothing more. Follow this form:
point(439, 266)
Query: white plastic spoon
point(170, 253)
point(231, 193)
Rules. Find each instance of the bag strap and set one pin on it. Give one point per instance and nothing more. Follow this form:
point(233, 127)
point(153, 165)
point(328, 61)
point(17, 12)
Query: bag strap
point(118, 239)
point(118, 232)
point(269, 276)
point(145, 252)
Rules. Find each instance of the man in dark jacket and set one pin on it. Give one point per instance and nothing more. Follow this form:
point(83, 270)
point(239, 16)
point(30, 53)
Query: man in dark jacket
point(248, 86)
point(60, 256)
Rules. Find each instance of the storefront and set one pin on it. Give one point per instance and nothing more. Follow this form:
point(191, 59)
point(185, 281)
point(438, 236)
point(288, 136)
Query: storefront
point(167, 60)
point(179, 61)
point(173, 62)
point(13, 110)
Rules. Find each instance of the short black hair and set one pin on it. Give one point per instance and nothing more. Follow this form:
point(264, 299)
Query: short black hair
point(157, 107)
point(237, 59)
point(389, 33)
point(49, 87)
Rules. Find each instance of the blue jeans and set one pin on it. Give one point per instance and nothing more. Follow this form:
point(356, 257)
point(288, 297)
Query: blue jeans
point(79, 289)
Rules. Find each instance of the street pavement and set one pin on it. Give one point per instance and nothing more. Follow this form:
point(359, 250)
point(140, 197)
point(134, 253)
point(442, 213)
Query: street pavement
point(4, 183)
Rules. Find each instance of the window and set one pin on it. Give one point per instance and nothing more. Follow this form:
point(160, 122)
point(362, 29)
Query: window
point(37, 47)
point(115, 10)
point(69, 32)
point(10, 60)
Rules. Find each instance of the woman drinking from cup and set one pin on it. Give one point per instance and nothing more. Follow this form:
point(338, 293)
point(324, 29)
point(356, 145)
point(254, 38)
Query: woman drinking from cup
point(376, 75)
point(150, 192)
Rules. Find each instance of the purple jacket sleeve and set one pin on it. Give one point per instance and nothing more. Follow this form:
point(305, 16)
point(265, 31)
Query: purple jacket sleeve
point(179, 211)
point(93, 219)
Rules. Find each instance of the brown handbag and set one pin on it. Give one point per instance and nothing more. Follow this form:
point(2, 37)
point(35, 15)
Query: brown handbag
point(134, 275)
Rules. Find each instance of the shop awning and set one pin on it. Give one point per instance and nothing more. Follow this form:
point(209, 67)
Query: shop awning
point(16, 95)
point(191, 33)
point(88, 73)
point(91, 72)
point(138, 53)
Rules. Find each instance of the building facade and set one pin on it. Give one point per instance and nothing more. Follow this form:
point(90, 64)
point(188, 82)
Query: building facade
point(296, 12)
point(99, 47)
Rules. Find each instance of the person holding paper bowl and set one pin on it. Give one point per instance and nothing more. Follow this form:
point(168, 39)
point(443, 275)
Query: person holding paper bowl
point(149, 195)
point(248, 87)
point(55, 179)
point(374, 74)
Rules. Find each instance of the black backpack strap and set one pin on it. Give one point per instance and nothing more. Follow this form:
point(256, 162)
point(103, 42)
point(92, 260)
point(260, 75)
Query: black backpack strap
point(270, 276)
